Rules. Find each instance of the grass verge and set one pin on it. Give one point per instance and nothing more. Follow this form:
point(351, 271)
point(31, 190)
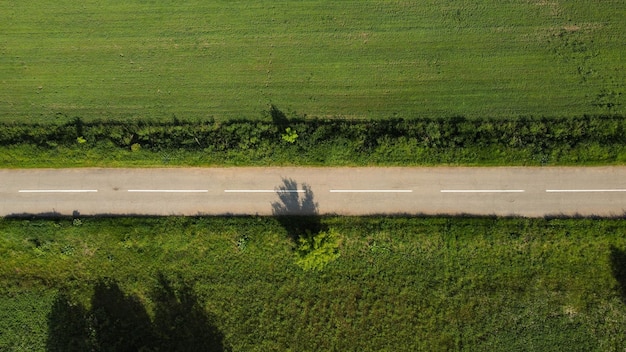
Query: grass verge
point(401, 284)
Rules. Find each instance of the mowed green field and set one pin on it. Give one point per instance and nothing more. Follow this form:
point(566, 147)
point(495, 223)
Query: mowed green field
point(397, 284)
point(366, 59)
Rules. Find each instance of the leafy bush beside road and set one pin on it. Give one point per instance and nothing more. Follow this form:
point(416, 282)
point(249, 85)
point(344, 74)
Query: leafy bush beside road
point(599, 139)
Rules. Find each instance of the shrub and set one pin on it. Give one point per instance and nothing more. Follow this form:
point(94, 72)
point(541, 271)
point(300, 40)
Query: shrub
point(522, 140)
point(290, 135)
point(316, 251)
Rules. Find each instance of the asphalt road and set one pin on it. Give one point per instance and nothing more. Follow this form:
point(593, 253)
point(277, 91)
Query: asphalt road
point(532, 192)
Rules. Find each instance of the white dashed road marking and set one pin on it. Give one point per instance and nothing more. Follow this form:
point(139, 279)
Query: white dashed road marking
point(169, 190)
point(583, 190)
point(482, 191)
point(264, 191)
point(371, 191)
point(58, 191)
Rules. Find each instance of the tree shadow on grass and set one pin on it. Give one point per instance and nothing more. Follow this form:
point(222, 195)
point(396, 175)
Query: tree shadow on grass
point(618, 268)
point(119, 322)
point(180, 321)
point(68, 328)
point(279, 118)
point(297, 211)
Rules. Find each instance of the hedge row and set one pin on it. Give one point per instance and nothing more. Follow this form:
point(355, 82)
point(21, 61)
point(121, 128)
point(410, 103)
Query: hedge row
point(533, 136)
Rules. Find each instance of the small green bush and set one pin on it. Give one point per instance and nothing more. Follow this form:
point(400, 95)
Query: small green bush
point(316, 251)
point(290, 136)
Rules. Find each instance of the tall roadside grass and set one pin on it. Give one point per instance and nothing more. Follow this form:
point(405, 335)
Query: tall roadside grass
point(395, 283)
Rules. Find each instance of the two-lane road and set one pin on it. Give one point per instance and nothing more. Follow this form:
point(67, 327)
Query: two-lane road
point(532, 192)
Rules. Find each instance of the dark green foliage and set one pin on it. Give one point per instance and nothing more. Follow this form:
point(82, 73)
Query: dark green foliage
point(397, 141)
point(23, 317)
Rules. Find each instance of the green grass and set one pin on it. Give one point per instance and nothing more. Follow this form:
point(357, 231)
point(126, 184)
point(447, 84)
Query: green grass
point(372, 59)
point(398, 284)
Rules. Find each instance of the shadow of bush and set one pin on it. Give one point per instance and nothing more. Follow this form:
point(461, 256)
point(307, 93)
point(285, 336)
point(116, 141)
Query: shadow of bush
point(119, 322)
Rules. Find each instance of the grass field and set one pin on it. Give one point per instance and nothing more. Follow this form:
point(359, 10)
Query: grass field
point(372, 59)
point(397, 284)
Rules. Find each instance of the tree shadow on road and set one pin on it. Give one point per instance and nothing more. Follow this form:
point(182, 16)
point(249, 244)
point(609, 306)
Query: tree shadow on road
point(297, 211)
point(119, 322)
point(618, 268)
point(315, 245)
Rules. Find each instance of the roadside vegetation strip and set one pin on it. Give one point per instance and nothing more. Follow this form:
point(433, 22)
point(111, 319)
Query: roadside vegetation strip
point(279, 139)
point(353, 58)
point(391, 283)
